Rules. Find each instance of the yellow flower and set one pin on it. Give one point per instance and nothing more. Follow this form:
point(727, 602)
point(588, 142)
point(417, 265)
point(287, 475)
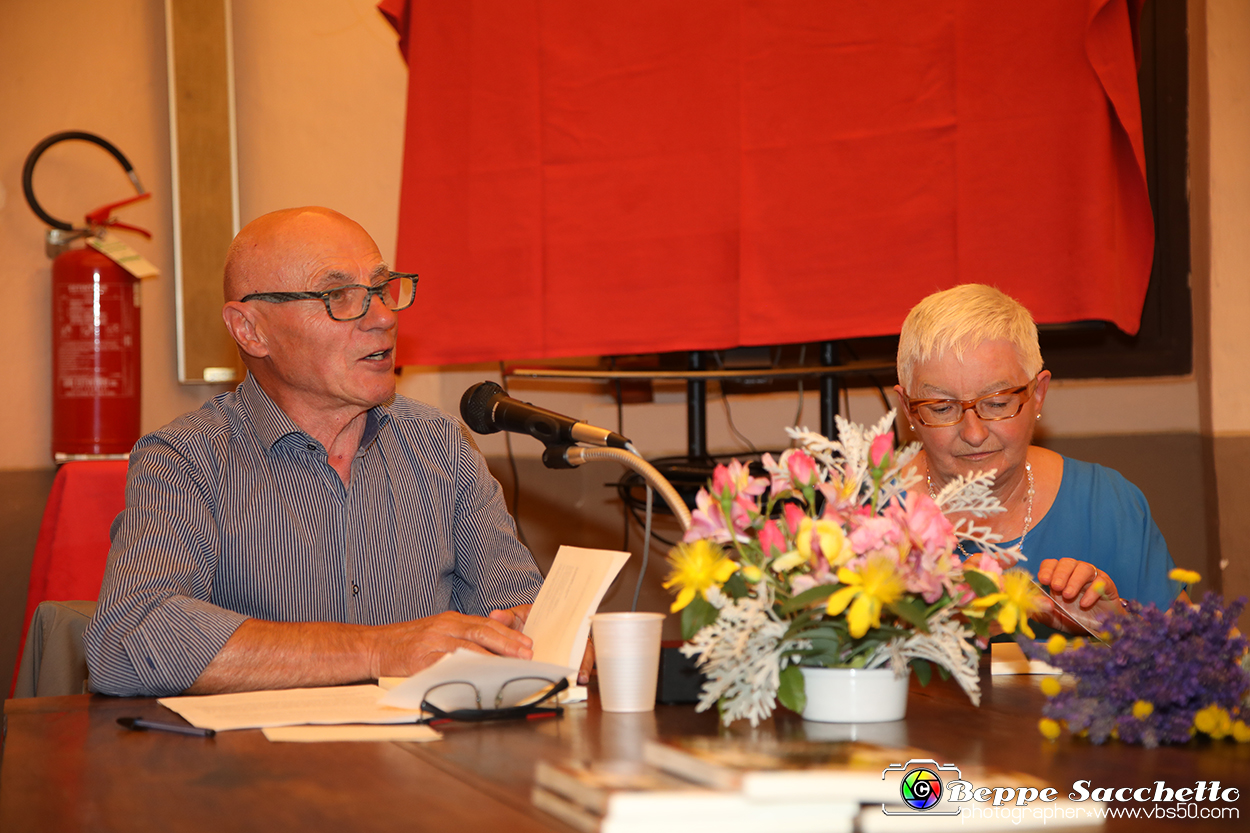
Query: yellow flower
point(752, 573)
point(1018, 598)
point(1184, 576)
point(788, 561)
point(1056, 644)
point(1143, 709)
point(1050, 686)
point(874, 586)
point(833, 542)
point(696, 567)
point(1048, 728)
point(1213, 721)
point(1241, 732)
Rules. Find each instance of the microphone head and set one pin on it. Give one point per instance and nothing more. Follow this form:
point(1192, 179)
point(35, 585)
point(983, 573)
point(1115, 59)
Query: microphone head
point(477, 405)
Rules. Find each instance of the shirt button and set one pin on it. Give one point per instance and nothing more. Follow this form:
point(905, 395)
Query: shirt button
point(312, 447)
point(355, 588)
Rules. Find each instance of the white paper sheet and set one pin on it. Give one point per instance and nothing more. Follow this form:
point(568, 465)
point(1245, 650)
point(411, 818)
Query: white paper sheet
point(1008, 658)
point(559, 622)
point(289, 707)
point(486, 672)
point(334, 734)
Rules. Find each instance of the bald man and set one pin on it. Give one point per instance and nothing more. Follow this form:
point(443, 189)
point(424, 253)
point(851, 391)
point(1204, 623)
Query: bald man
point(310, 527)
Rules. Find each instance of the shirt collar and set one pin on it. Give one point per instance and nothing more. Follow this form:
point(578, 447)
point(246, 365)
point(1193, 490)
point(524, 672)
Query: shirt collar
point(272, 424)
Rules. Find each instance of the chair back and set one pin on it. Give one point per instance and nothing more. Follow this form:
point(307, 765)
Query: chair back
point(73, 543)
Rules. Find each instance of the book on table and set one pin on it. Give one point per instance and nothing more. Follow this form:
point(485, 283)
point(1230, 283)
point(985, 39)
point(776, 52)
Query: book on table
point(784, 770)
point(619, 797)
point(778, 773)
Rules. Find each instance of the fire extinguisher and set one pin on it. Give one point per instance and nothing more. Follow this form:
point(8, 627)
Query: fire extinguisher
point(95, 322)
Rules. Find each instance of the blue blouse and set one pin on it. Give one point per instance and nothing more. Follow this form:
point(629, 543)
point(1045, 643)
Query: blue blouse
point(1100, 517)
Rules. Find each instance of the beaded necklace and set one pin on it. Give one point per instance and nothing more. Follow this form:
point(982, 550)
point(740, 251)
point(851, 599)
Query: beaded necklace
point(1028, 506)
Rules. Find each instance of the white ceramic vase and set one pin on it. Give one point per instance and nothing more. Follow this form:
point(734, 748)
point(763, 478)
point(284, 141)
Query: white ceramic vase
point(854, 695)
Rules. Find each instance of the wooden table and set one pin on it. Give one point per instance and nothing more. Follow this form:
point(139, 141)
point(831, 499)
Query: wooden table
point(68, 766)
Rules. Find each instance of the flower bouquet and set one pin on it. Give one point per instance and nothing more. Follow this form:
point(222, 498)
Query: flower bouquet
point(1154, 677)
point(839, 558)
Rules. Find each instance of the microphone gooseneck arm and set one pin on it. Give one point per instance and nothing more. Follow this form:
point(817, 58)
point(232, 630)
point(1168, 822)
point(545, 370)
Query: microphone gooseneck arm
point(570, 456)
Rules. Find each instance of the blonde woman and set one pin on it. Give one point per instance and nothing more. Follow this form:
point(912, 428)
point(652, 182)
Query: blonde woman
point(972, 386)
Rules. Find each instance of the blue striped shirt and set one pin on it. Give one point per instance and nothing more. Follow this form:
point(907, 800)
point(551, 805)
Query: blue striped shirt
point(233, 512)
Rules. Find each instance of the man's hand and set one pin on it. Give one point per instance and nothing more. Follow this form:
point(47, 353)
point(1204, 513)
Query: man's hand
point(512, 617)
point(405, 648)
point(516, 617)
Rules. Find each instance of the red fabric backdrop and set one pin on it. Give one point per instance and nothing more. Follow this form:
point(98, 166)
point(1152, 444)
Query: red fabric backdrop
point(589, 178)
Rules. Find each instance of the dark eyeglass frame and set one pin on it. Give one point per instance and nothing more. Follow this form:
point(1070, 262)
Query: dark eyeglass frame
point(965, 405)
point(480, 714)
point(324, 297)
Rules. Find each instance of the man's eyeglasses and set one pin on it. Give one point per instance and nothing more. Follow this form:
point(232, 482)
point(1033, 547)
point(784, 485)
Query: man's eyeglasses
point(462, 700)
point(1003, 404)
point(347, 303)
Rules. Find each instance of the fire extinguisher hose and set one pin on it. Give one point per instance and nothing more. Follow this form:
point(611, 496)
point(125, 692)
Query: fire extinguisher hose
point(28, 170)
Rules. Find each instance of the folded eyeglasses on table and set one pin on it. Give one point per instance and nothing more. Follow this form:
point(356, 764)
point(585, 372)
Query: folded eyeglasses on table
point(461, 700)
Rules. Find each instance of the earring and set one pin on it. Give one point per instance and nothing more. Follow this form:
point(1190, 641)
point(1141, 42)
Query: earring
point(912, 427)
point(1039, 416)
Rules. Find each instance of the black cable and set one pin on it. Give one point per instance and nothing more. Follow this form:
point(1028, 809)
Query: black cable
point(620, 429)
point(724, 398)
point(885, 398)
point(633, 510)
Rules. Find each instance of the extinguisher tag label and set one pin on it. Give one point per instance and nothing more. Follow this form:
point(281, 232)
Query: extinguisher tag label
point(124, 256)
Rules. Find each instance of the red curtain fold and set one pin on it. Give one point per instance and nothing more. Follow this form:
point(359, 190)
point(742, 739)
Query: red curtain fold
point(604, 178)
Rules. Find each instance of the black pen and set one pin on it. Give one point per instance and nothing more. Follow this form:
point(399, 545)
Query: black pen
point(138, 724)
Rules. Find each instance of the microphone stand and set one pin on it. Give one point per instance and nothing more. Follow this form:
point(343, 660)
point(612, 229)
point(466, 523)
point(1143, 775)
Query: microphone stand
point(570, 456)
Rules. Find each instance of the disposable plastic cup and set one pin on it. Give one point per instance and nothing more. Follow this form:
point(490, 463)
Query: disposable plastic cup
point(627, 653)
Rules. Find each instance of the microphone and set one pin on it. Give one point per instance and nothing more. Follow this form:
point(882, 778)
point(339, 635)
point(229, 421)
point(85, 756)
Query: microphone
point(486, 408)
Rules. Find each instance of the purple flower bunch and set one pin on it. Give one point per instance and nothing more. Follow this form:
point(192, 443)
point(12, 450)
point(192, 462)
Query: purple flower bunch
point(1161, 677)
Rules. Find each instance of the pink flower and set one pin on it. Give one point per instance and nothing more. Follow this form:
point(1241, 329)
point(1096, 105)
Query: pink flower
point(795, 471)
point(928, 527)
point(707, 521)
point(735, 480)
point(794, 517)
point(881, 452)
point(772, 541)
point(984, 562)
point(801, 466)
point(877, 532)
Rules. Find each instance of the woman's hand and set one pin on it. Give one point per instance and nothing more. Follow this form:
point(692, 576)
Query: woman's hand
point(1086, 592)
point(1068, 578)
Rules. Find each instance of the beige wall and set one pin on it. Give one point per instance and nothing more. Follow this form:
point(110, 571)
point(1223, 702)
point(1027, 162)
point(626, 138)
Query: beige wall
point(1220, 211)
point(320, 90)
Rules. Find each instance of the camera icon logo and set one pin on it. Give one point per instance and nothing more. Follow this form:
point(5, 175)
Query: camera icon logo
point(920, 787)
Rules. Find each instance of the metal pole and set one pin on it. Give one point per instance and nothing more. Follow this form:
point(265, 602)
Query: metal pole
point(828, 388)
point(696, 410)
